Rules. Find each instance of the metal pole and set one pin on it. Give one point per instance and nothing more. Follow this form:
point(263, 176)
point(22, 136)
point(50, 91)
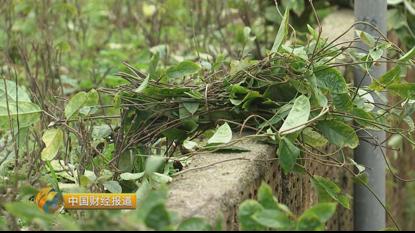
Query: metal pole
point(368, 213)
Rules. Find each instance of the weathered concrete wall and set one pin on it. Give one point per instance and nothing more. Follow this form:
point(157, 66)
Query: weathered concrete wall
point(218, 190)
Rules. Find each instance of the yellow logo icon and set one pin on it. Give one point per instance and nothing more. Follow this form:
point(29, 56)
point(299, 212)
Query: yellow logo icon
point(48, 200)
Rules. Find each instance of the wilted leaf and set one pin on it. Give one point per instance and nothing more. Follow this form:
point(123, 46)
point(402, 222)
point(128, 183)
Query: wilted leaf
point(339, 133)
point(112, 186)
point(75, 103)
point(222, 135)
point(313, 138)
point(282, 32)
point(359, 167)
point(161, 178)
point(143, 85)
point(131, 176)
point(53, 139)
point(190, 145)
point(297, 117)
point(376, 53)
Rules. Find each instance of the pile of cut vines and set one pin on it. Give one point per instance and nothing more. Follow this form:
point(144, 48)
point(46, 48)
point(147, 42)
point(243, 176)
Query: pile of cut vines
point(295, 98)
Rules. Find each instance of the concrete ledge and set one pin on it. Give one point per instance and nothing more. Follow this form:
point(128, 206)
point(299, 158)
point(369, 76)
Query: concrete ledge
point(218, 190)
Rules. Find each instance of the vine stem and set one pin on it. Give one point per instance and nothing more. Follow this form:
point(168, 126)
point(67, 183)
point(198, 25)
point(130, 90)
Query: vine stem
point(54, 176)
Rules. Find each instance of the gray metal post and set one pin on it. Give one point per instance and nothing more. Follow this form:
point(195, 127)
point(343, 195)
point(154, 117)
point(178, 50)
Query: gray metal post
point(368, 213)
